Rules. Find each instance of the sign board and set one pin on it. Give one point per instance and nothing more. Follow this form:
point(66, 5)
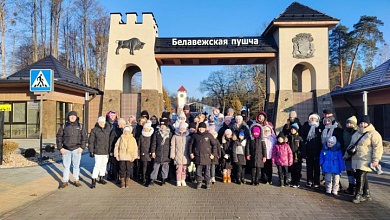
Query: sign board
point(5, 107)
point(41, 80)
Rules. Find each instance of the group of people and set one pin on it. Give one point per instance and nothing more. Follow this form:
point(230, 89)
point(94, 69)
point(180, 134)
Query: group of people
point(200, 148)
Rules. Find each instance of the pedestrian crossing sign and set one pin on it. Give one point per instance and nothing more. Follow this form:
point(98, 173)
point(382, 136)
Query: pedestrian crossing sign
point(41, 80)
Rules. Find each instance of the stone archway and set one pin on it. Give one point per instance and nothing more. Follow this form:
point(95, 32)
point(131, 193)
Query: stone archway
point(132, 80)
point(131, 91)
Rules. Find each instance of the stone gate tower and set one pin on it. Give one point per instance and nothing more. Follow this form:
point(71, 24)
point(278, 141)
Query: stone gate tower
point(130, 51)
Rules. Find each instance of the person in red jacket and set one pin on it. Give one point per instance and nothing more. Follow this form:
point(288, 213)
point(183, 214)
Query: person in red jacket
point(282, 158)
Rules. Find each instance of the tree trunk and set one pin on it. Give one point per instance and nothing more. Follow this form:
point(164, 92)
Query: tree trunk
point(34, 32)
point(3, 27)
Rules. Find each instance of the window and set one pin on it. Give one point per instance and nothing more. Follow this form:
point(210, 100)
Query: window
point(22, 121)
point(62, 109)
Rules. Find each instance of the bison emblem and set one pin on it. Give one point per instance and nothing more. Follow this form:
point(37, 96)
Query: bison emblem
point(132, 44)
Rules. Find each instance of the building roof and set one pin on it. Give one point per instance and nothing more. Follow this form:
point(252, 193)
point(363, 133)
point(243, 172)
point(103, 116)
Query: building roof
point(62, 75)
point(182, 89)
point(375, 79)
point(297, 12)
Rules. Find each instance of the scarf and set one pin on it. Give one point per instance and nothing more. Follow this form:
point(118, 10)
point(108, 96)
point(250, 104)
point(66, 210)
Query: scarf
point(164, 134)
point(147, 134)
point(328, 132)
point(312, 131)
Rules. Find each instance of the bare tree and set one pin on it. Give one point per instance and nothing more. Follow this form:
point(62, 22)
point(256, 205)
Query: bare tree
point(55, 16)
point(3, 12)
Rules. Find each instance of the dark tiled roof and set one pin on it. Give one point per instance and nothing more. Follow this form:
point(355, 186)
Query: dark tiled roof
point(299, 12)
point(375, 79)
point(265, 45)
point(62, 75)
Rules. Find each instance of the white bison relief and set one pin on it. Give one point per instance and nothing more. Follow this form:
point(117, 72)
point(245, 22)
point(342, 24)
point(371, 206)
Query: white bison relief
point(132, 44)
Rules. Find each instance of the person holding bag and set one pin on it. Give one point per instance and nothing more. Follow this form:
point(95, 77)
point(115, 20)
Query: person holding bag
point(369, 150)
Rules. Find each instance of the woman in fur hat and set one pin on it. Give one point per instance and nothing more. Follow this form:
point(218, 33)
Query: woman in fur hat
point(144, 143)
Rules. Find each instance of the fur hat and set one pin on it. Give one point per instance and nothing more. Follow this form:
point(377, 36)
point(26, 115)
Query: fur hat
point(292, 114)
point(101, 119)
point(365, 118)
point(315, 115)
point(148, 124)
point(128, 128)
point(202, 125)
point(239, 117)
point(228, 131)
point(183, 125)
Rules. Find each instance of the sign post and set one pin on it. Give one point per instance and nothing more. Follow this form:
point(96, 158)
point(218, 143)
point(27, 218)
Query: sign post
point(3, 108)
point(41, 80)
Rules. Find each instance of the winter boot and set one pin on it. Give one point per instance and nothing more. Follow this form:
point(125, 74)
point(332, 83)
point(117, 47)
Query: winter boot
point(225, 178)
point(77, 183)
point(229, 179)
point(163, 181)
point(178, 183)
point(183, 183)
point(366, 195)
point(199, 185)
point(351, 189)
point(127, 182)
point(101, 180)
point(208, 185)
point(151, 183)
point(359, 188)
point(253, 177)
point(243, 181)
point(123, 184)
point(213, 180)
point(93, 185)
point(63, 185)
point(144, 180)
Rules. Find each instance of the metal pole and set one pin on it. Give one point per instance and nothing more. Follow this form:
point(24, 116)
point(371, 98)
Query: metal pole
point(365, 103)
point(40, 127)
point(86, 111)
point(1, 136)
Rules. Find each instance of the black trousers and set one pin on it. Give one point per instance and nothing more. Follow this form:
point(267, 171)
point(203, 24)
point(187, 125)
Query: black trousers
point(282, 173)
point(124, 168)
point(240, 172)
point(295, 170)
point(361, 182)
point(313, 171)
point(255, 174)
point(266, 171)
point(146, 168)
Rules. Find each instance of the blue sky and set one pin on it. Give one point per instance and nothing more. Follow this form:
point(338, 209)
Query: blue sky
point(228, 18)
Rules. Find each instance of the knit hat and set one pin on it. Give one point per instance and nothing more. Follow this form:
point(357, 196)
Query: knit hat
point(281, 134)
point(295, 126)
point(241, 134)
point(111, 113)
point(72, 113)
point(230, 110)
point(202, 125)
point(127, 128)
point(164, 121)
point(220, 116)
point(186, 107)
point(239, 117)
point(182, 115)
point(227, 118)
point(243, 113)
point(352, 120)
point(333, 140)
point(292, 114)
point(228, 131)
point(183, 125)
point(327, 111)
point(148, 124)
point(101, 119)
point(330, 118)
point(165, 115)
point(365, 118)
point(121, 121)
point(145, 114)
point(314, 115)
point(256, 129)
point(192, 125)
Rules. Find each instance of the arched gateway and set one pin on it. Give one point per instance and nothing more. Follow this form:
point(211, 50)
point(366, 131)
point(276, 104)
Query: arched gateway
point(295, 44)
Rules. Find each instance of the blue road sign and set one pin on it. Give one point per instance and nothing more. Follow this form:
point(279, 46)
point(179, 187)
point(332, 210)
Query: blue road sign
point(41, 80)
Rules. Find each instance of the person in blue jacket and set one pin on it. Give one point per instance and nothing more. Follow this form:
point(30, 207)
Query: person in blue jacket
point(332, 164)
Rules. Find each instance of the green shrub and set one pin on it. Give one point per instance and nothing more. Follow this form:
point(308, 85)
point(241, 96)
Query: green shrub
point(49, 148)
point(30, 152)
point(8, 149)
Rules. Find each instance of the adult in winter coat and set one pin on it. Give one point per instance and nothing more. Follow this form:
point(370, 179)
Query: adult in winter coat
point(350, 129)
point(331, 128)
point(144, 144)
point(240, 151)
point(296, 142)
point(282, 158)
point(292, 118)
point(217, 157)
point(311, 135)
point(226, 154)
point(261, 119)
point(239, 126)
point(257, 152)
point(126, 151)
point(369, 153)
point(202, 149)
point(269, 138)
point(137, 133)
point(180, 152)
point(71, 139)
point(99, 147)
point(116, 133)
point(332, 165)
point(161, 141)
point(226, 125)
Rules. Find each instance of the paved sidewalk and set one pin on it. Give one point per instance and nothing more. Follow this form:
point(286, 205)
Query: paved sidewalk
point(31, 193)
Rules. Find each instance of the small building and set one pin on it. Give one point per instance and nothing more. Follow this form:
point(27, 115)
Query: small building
point(70, 93)
point(349, 99)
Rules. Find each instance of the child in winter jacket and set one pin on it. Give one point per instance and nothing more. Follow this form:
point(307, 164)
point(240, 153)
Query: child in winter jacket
point(269, 138)
point(180, 153)
point(257, 152)
point(144, 150)
point(282, 158)
point(296, 142)
point(240, 151)
point(215, 161)
point(227, 150)
point(331, 161)
point(126, 151)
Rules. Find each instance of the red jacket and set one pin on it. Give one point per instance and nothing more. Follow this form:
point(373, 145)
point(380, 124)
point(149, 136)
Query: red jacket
point(282, 155)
